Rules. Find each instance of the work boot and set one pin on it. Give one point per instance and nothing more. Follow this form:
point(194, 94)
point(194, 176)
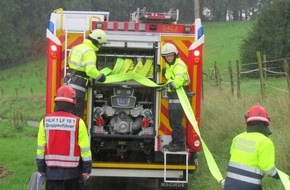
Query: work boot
point(167, 145)
point(176, 147)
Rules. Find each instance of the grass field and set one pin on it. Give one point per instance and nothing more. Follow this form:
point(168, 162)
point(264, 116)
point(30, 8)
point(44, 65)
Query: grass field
point(22, 97)
point(18, 147)
point(222, 43)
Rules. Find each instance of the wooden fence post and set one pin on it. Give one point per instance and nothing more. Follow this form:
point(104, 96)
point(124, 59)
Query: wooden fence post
point(238, 79)
point(217, 77)
point(231, 77)
point(265, 66)
point(16, 91)
point(262, 81)
point(215, 74)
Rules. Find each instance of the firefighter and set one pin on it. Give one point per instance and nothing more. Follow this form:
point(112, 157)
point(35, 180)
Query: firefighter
point(82, 66)
point(252, 153)
point(175, 70)
point(63, 148)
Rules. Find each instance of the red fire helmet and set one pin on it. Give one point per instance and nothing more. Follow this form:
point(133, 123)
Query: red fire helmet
point(257, 113)
point(65, 94)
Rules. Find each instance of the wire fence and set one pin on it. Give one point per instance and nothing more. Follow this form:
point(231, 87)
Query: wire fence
point(262, 73)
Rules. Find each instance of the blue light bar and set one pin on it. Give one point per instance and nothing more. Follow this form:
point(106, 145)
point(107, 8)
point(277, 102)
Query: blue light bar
point(199, 32)
point(50, 27)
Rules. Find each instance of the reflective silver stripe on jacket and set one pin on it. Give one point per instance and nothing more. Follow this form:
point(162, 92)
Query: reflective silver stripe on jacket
point(244, 178)
point(40, 157)
point(90, 63)
point(79, 64)
point(246, 168)
point(88, 158)
point(186, 77)
point(239, 176)
point(40, 147)
point(60, 157)
point(271, 172)
point(174, 101)
point(62, 164)
point(77, 87)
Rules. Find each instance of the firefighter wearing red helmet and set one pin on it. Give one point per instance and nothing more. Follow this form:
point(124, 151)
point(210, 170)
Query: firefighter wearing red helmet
point(175, 70)
point(252, 153)
point(82, 66)
point(63, 149)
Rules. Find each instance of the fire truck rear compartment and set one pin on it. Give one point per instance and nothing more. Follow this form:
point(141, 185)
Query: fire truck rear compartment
point(123, 123)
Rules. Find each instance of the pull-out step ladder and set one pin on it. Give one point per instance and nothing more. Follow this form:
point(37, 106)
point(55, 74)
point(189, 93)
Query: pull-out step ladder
point(166, 153)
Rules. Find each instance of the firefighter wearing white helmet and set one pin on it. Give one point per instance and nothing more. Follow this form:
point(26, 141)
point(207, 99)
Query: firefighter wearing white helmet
point(63, 148)
point(252, 153)
point(175, 70)
point(82, 66)
point(99, 35)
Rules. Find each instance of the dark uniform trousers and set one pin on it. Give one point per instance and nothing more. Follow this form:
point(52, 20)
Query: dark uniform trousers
point(76, 81)
point(233, 184)
point(70, 184)
point(176, 115)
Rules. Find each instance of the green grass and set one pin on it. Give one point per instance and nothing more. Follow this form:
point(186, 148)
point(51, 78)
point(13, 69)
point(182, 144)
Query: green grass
point(26, 79)
point(222, 42)
point(222, 118)
point(22, 91)
point(18, 148)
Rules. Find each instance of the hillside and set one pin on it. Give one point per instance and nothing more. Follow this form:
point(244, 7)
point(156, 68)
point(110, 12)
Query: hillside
point(222, 42)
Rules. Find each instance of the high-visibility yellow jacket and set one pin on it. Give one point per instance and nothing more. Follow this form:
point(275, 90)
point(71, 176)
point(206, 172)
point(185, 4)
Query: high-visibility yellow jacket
point(252, 157)
point(178, 73)
point(83, 58)
point(59, 127)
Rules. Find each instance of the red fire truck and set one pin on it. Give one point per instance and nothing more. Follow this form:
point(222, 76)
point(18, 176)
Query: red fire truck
point(128, 121)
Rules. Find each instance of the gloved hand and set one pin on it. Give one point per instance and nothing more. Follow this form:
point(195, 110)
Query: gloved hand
point(222, 183)
point(172, 86)
point(163, 71)
point(86, 176)
point(101, 78)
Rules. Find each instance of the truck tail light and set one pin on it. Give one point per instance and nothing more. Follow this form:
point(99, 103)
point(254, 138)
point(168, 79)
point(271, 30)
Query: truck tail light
point(193, 141)
point(145, 122)
point(53, 51)
point(53, 48)
point(100, 122)
point(196, 53)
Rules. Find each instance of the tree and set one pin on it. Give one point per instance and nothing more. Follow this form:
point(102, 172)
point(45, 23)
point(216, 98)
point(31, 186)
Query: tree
point(270, 34)
point(224, 10)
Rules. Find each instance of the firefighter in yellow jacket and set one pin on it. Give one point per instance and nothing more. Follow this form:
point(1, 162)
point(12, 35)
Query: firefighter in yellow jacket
point(63, 148)
point(252, 153)
point(82, 66)
point(175, 70)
